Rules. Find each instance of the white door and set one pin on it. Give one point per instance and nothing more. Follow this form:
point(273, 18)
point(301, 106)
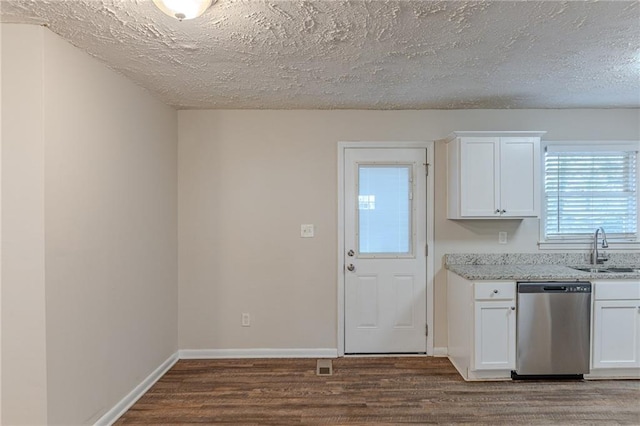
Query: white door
point(480, 174)
point(616, 334)
point(495, 336)
point(519, 176)
point(385, 250)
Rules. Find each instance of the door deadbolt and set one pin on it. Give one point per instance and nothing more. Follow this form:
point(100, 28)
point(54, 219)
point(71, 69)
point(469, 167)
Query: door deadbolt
point(351, 267)
point(350, 253)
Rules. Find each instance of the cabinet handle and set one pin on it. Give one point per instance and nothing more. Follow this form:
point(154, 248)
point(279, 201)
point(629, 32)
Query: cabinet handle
point(497, 211)
point(513, 308)
point(503, 211)
point(495, 291)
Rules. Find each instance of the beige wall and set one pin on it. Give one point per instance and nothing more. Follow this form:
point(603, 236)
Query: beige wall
point(24, 378)
point(0, 224)
point(248, 179)
point(102, 178)
point(111, 233)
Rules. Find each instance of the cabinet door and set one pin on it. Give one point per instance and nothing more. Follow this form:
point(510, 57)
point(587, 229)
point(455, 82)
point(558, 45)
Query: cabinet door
point(495, 336)
point(616, 334)
point(479, 177)
point(519, 177)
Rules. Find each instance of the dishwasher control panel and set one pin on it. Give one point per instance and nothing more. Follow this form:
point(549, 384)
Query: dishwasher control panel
point(580, 289)
point(554, 287)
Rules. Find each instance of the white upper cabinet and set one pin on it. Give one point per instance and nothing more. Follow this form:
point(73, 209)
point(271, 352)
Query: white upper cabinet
point(493, 175)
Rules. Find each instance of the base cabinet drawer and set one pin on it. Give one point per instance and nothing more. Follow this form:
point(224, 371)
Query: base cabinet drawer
point(617, 290)
point(494, 290)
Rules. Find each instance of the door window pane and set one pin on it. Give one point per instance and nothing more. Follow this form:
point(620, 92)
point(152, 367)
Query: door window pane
point(384, 209)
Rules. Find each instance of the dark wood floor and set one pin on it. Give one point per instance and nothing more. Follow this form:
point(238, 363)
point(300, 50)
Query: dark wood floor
point(366, 391)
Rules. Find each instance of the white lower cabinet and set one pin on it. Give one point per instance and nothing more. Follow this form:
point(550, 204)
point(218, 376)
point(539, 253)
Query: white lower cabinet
point(495, 335)
point(482, 327)
point(616, 329)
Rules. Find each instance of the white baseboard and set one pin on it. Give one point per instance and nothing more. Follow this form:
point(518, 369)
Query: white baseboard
point(121, 407)
point(440, 352)
point(257, 353)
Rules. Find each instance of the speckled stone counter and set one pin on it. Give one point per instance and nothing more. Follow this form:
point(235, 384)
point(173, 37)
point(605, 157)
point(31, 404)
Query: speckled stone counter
point(537, 267)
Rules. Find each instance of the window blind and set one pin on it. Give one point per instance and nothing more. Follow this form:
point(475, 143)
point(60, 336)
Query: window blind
point(587, 188)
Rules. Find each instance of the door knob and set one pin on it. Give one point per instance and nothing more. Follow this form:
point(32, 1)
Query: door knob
point(350, 267)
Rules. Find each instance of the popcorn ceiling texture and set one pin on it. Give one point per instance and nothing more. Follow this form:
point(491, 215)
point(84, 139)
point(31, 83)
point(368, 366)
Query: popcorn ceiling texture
point(372, 54)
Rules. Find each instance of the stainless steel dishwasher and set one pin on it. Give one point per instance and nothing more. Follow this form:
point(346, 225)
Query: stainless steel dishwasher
point(553, 329)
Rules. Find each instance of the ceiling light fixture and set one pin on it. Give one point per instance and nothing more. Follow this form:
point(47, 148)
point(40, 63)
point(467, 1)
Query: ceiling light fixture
point(183, 9)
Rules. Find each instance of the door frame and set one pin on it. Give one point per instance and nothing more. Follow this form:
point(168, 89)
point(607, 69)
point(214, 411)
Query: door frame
point(430, 273)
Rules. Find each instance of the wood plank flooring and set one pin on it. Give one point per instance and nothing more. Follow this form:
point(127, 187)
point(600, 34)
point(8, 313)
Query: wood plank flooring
point(364, 391)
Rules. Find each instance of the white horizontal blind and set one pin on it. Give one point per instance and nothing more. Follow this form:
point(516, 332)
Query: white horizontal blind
point(586, 189)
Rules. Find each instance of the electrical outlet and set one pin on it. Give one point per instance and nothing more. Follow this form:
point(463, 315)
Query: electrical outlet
point(246, 320)
point(502, 238)
point(307, 231)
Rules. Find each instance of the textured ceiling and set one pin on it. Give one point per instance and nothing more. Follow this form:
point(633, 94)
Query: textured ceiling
point(364, 54)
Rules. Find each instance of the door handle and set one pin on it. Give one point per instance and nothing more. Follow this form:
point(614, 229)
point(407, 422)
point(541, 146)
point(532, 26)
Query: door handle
point(351, 267)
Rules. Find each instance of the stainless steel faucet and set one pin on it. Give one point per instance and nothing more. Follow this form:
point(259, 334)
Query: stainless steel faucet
point(597, 258)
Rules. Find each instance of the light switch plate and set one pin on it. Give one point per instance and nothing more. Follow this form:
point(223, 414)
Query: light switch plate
point(307, 231)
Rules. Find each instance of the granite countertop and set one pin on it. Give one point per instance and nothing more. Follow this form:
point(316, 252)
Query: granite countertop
point(525, 272)
point(538, 266)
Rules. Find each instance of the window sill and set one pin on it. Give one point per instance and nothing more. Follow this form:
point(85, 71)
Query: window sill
point(568, 245)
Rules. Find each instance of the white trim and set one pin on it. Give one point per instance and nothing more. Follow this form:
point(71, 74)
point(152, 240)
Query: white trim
point(598, 145)
point(258, 353)
point(340, 279)
point(125, 403)
point(567, 245)
point(613, 373)
point(492, 133)
point(431, 190)
point(429, 146)
point(440, 351)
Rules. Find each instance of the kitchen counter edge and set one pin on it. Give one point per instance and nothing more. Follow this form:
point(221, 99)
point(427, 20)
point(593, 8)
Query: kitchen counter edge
point(535, 273)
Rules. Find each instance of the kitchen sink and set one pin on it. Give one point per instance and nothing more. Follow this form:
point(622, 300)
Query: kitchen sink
point(590, 269)
point(609, 269)
point(614, 269)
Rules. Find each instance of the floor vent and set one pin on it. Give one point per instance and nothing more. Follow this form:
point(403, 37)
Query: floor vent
point(324, 367)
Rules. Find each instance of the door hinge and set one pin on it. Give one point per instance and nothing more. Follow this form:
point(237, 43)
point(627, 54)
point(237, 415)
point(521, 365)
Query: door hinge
point(426, 250)
point(426, 330)
point(426, 168)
